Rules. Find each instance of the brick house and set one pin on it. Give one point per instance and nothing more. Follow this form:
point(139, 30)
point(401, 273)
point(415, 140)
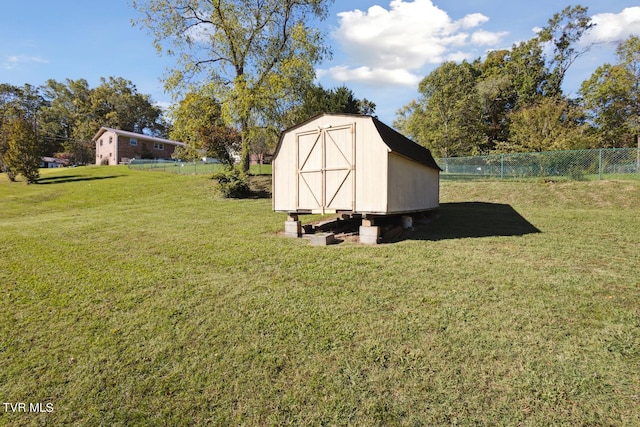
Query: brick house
point(115, 146)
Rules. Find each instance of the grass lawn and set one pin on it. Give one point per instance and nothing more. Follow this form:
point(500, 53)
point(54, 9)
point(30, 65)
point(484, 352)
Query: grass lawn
point(138, 298)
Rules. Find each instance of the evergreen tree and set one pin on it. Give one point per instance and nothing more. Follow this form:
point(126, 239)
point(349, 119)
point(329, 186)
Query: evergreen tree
point(23, 153)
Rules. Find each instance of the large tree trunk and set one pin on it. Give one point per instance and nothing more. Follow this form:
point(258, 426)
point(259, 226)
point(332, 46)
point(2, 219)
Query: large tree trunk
point(245, 156)
point(245, 151)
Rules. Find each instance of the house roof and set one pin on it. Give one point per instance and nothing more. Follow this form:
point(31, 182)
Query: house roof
point(394, 140)
point(54, 160)
point(135, 135)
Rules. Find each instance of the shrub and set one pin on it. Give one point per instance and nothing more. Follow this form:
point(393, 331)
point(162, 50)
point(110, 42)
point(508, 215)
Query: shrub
point(232, 183)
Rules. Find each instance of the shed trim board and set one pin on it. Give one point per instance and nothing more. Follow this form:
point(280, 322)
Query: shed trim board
point(352, 163)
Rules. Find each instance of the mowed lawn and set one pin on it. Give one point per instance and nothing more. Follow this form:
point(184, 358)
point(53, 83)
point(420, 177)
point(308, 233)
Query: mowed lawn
point(142, 298)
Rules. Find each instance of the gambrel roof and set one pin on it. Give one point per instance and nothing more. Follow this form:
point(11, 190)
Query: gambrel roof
point(394, 140)
point(402, 145)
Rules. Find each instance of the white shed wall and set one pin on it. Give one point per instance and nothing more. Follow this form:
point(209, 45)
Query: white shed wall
point(284, 176)
point(411, 186)
point(371, 169)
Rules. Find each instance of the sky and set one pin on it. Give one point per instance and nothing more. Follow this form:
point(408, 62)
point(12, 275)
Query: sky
point(381, 48)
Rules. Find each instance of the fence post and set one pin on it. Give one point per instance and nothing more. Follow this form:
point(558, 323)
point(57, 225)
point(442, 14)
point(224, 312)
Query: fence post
point(502, 166)
point(600, 164)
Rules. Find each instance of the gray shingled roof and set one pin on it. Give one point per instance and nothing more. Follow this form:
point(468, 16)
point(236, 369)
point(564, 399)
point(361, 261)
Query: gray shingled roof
point(402, 145)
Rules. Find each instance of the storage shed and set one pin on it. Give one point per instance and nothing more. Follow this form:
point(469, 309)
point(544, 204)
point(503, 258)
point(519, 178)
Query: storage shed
point(352, 163)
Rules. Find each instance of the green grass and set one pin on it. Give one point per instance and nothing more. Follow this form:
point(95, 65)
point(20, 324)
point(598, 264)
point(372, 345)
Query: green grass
point(138, 298)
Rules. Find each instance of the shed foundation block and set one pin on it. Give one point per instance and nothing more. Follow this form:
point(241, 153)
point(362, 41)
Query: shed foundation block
point(322, 239)
point(293, 228)
point(369, 235)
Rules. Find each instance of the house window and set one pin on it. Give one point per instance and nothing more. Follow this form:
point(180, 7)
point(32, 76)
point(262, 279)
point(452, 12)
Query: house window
point(110, 139)
point(158, 146)
point(100, 142)
point(133, 141)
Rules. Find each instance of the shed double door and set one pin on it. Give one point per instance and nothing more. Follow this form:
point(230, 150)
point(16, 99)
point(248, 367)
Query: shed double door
point(326, 169)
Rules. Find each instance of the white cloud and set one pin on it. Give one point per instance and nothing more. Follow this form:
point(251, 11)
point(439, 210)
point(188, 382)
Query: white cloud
point(473, 20)
point(458, 56)
point(13, 61)
point(614, 27)
point(487, 38)
point(373, 76)
point(392, 45)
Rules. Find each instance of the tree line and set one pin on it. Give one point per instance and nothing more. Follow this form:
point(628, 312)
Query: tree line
point(59, 119)
point(244, 71)
point(512, 100)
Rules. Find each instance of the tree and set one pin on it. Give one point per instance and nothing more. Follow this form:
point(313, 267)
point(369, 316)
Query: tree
point(23, 153)
point(74, 112)
point(469, 108)
point(263, 141)
point(256, 55)
point(197, 122)
point(20, 107)
point(549, 123)
point(509, 80)
point(447, 118)
point(319, 100)
point(117, 103)
point(563, 32)
point(66, 115)
point(612, 97)
point(68, 121)
point(9, 101)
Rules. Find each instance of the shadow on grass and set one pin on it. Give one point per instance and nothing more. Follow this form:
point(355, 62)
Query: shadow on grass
point(260, 187)
point(72, 178)
point(474, 219)
point(451, 221)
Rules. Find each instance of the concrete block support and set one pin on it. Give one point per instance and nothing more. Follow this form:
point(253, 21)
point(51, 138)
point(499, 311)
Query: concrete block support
point(369, 235)
point(322, 239)
point(293, 228)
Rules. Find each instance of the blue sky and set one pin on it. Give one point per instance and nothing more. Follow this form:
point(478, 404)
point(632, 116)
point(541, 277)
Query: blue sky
point(381, 48)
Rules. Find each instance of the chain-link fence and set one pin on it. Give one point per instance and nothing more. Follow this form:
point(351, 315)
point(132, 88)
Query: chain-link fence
point(190, 168)
point(574, 164)
point(183, 168)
